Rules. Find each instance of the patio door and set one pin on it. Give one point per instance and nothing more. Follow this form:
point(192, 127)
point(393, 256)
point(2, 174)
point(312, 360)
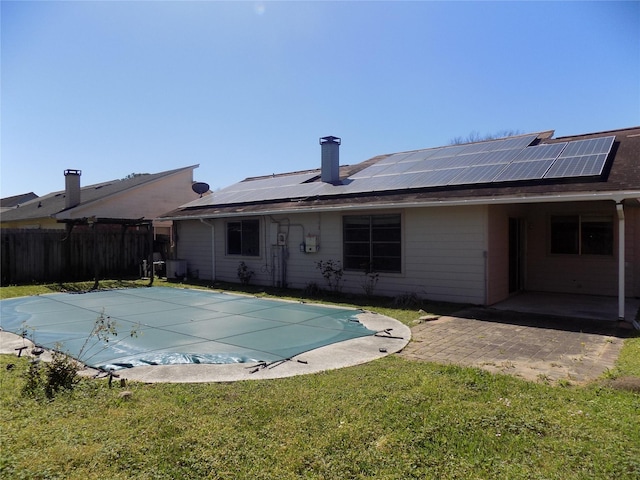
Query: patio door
point(516, 254)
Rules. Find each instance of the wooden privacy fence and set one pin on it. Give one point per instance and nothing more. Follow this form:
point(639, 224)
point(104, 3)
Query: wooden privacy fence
point(100, 251)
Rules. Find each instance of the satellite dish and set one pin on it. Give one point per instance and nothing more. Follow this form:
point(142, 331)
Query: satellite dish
point(200, 187)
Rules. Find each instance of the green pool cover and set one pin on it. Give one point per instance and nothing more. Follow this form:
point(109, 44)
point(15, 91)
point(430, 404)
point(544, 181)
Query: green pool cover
point(177, 326)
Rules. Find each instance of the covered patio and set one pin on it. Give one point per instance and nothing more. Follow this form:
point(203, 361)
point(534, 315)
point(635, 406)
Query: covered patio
point(589, 307)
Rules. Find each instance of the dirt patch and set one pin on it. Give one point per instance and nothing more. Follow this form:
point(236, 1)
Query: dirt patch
point(629, 384)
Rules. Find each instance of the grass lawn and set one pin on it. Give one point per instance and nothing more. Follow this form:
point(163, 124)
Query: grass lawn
point(390, 418)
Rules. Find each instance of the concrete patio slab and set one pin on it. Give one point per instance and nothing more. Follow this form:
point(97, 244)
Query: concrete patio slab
point(593, 307)
point(531, 346)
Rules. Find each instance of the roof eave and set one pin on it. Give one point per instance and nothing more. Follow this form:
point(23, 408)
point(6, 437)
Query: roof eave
point(615, 196)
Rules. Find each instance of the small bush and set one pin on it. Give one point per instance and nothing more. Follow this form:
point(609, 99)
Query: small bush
point(312, 290)
point(60, 373)
point(33, 386)
point(332, 272)
point(407, 300)
point(369, 283)
point(244, 273)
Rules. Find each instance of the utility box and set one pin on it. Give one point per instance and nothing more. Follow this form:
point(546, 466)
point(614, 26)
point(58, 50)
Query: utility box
point(311, 244)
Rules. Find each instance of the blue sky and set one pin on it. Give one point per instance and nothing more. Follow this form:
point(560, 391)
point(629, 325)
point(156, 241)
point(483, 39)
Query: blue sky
point(247, 88)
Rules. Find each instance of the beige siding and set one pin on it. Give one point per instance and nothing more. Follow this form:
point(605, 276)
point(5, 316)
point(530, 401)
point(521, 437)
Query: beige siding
point(44, 223)
point(148, 200)
point(632, 251)
point(585, 274)
point(194, 246)
point(498, 254)
point(326, 228)
point(443, 253)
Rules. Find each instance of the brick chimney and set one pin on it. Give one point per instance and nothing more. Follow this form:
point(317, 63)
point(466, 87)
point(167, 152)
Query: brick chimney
point(330, 172)
point(71, 188)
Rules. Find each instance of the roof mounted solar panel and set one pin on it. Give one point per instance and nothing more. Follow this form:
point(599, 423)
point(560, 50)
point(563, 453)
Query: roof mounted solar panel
point(582, 158)
point(441, 163)
point(392, 159)
point(434, 178)
point(447, 151)
point(584, 166)
point(418, 155)
point(541, 152)
point(477, 148)
point(371, 171)
point(273, 181)
point(486, 158)
point(477, 175)
point(590, 146)
point(399, 168)
point(396, 163)
point(512, 143)
point(531, 170)
point(265, 188)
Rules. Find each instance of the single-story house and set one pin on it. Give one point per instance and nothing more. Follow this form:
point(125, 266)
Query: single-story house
point(140, 196)
point(106, 227)
point(471, 223)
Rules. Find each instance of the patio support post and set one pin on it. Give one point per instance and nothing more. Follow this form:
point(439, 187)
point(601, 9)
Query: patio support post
point(621, 259)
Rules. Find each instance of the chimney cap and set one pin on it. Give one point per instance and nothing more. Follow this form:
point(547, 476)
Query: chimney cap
point(71, 171)
point(330, 139)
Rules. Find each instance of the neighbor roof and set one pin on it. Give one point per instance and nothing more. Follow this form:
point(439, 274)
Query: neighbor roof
point(9, 202)
point(522, 168)
point(53, 203)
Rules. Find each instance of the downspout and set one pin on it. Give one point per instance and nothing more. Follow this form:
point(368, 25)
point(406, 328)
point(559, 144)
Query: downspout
point(150, 261)
point(213, 248)
point(621, 258)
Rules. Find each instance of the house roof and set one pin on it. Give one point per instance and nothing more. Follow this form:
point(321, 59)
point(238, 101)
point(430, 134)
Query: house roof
point(53, 203)
point(616, 175)
point(8, 202)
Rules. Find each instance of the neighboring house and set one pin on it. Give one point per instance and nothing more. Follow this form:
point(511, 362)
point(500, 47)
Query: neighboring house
point(469, 223)
point(8, 203)
point(143, 196)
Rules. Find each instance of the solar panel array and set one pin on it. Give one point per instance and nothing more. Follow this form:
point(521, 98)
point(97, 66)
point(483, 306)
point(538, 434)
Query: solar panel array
point(506, 160)
point(254, 190)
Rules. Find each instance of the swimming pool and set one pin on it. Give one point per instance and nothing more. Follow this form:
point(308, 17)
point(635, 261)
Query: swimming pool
point(178, 326)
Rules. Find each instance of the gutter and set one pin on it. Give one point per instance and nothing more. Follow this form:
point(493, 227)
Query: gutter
point(617, 197)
